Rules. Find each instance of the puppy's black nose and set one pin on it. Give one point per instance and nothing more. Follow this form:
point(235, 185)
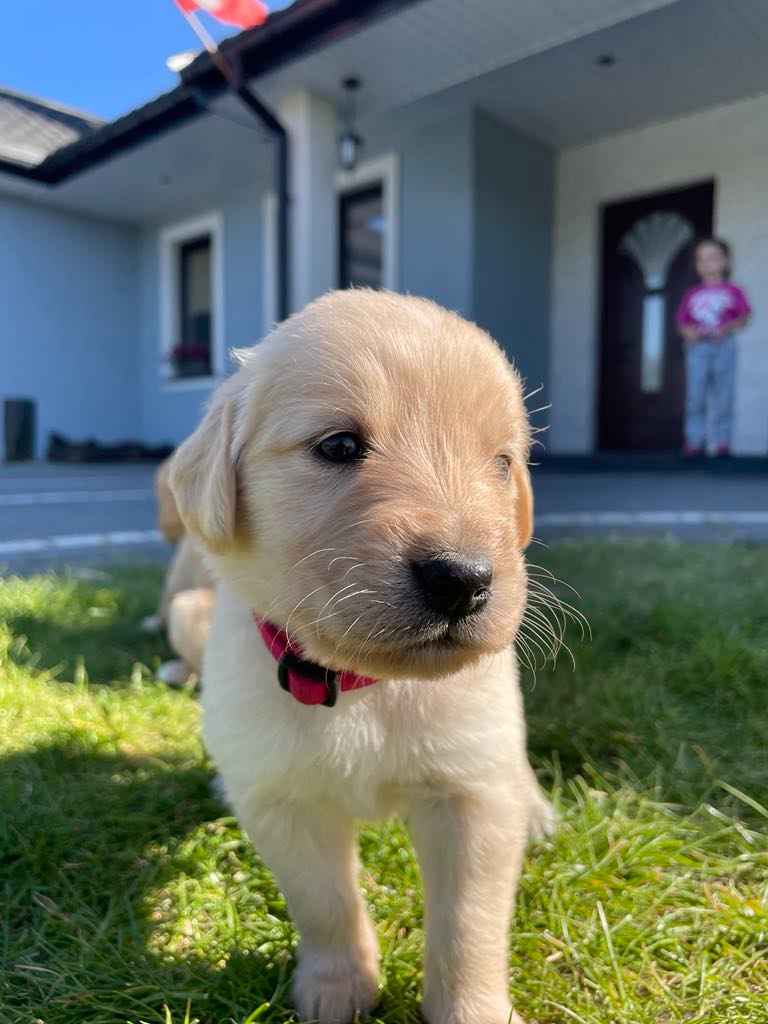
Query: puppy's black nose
point(452, 585)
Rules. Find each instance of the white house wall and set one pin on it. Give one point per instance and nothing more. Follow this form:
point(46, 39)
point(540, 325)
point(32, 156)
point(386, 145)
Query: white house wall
point(513, 199)
point(69, 337)
point(435, 230)
point(727, 143)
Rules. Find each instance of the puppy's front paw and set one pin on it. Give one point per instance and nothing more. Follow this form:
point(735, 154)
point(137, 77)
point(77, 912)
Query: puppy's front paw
point(332, 988)
point(542, 820)
point(469, 1011)
point(175, 673)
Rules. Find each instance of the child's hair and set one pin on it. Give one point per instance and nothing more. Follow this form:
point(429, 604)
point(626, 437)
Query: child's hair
point(721, 244)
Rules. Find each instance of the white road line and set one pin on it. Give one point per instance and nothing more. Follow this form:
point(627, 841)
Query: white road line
point(73, 497)
point(126, 538)
point(661, 518)
point(74, 541)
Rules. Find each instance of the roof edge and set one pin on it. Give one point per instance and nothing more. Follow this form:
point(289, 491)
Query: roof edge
point(54, 105)
point(285, 36)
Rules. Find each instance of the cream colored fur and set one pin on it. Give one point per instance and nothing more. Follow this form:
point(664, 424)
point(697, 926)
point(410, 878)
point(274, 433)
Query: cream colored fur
point(186, 602)
point(324, 551)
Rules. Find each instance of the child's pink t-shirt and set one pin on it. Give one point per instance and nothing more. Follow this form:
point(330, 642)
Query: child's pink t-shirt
point(709, 306)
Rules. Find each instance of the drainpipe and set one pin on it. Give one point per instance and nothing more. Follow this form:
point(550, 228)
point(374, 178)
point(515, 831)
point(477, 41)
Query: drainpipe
point(232, 74)
point(280, 136)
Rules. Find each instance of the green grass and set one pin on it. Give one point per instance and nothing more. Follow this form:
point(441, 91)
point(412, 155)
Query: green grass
point(128, 894)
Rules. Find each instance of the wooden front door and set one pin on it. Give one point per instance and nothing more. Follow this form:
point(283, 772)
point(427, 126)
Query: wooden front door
point(647, 245)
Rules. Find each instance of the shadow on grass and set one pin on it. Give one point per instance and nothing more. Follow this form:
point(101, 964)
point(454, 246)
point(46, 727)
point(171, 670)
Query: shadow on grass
point(71, 626)
point(124, 888)
point(89, 843)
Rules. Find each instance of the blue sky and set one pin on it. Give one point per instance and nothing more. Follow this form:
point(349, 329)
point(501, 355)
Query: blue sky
point(100, 56)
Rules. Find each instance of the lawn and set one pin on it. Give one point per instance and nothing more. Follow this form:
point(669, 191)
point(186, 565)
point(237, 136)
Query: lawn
point(129, 895)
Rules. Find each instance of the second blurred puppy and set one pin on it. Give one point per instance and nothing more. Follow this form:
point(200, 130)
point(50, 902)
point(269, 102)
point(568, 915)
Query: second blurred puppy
point(186, 603)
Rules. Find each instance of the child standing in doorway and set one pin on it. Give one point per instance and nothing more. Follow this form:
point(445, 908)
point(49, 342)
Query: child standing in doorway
point(710, 315)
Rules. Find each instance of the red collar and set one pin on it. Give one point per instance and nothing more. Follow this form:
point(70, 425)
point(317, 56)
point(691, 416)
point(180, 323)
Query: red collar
point(306, 681)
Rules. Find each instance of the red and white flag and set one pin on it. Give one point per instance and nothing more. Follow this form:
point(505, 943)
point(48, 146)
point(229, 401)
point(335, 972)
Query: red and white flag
point(243, 13)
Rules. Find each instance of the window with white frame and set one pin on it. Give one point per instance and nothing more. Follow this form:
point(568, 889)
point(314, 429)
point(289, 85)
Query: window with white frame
point(368, 209)
point(191, 300)
point(361, 237)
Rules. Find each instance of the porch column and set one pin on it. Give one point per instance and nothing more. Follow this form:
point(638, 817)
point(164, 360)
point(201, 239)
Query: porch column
point(311, 125)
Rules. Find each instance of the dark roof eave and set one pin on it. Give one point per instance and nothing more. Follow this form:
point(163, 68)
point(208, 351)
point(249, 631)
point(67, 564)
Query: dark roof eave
point(168, 111)
point(287, 35)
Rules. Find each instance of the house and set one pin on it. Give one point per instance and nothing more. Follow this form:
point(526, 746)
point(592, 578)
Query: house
point(508, 152)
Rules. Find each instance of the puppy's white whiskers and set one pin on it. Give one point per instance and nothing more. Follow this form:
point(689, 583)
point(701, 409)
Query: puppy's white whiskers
point(350, 627)
point(541, 571)
point(364, 643)
point(531, 642)
point(357, 565)
point(542, 408)
point(320, 551)
point(360, 522)
point(333, 597)
point(524, 652)
point(357, 593)
point(548, 596)
point(340, 558)
point(297, 606)
point(333, 614)
point(539, 626)
point(540, 605)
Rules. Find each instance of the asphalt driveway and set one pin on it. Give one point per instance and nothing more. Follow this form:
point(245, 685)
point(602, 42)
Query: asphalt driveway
point(59, 514)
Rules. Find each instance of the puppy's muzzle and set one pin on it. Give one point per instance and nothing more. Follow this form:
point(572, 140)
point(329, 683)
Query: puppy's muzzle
point(454, 586)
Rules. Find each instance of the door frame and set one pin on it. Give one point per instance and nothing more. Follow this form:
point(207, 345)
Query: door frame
point(598, 240)
point(384, 171)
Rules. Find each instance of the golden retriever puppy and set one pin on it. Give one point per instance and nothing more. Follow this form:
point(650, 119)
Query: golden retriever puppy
point(187, 608)
point(361, 487)
point(186, 602)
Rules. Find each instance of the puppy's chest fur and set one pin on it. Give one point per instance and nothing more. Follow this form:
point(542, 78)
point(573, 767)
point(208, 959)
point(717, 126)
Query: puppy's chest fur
point(373, 751)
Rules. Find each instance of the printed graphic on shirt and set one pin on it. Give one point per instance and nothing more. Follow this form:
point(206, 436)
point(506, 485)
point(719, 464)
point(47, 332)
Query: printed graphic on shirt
point(707, 306)
point(710, 307)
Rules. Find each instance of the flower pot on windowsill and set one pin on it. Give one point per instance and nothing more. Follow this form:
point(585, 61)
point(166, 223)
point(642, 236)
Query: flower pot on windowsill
point(190, 359)
point(191, 368)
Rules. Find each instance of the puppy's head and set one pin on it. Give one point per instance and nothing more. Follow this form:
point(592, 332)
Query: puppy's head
point(362, 480)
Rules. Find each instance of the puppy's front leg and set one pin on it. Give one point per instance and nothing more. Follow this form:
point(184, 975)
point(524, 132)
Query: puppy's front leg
point(312, 851)
point(470, 849)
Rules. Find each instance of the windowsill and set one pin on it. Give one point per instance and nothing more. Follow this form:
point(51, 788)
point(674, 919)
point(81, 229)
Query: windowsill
point(189, 383)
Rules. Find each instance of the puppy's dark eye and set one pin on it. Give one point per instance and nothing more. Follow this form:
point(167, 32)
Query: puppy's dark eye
point(504, 465)
point(341, 448)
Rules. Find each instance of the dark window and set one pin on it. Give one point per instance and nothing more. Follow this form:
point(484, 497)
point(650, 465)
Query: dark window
point(361, 238)
point(191, 355)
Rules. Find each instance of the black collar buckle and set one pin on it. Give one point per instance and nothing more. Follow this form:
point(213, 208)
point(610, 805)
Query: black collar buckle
point(289, 662)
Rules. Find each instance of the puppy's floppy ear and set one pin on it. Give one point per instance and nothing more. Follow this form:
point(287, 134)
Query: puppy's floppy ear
point(168, 519)
point(524, 500)
point(203, 475)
